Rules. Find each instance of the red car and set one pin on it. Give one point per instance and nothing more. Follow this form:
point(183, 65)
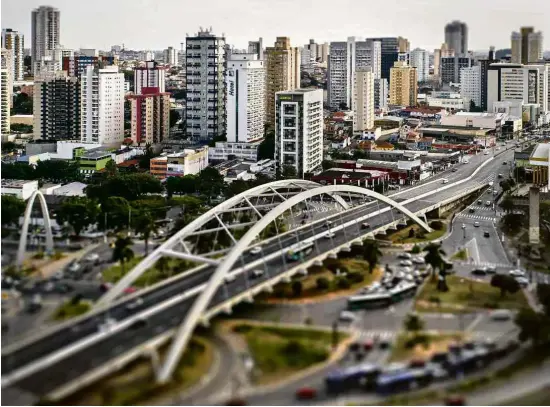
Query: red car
point(130, 290)
point(306, 393)
point(417, 363)
point(455, 400)
point(236, 402)
point(368, 344)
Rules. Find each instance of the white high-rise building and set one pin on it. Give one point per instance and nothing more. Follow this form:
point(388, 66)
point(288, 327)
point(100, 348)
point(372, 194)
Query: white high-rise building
point(420, 59)
point(381, 93)
point(245, 83)
point(171, 56)
point(470, 84)
point(6, 90)
point(102, 105)
point(44, 34)
point(150, 75)
point(205, 98)
point(363, 100)
point(299, 130)
point(344, 59)
point(14, 41)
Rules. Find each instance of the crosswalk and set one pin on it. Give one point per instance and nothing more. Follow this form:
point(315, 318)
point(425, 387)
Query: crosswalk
point(388, 335)
point(477, 217)
point(484, 264)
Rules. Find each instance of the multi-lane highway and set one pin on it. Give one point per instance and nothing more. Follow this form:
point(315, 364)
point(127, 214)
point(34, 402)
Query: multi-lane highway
point(103, 346)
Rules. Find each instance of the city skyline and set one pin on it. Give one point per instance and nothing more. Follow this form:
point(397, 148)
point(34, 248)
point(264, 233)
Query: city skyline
point(152, 27)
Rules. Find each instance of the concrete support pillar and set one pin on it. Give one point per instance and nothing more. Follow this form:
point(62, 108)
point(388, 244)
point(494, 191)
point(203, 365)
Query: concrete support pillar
point(534, 211)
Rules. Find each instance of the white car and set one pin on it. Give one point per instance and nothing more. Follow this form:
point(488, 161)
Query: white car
point(347, 316)
point(419, 260)
point(92, 257)
point(405, 263)
point(501, 315)
point(404, 255)
point(517, 273)
point(256, 250)
point(486, 152)
point(256, 273)
point(522, 281)
point(406, 269)
point(330, 235)
point(134, 304)
point(229, 278)
point(476, 224)
point(74, 267)
point(107, 325)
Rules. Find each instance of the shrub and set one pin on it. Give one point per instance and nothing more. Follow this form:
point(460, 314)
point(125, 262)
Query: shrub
point(322, 283)
point(279, 291)
point(58, 255)
point(416, 249)
point(242, 329)
point(297, 288)
point(411, 232)
point(38, 255)
point(355, 277)
point(343, 283)
point(437, 225)
point(435, 299)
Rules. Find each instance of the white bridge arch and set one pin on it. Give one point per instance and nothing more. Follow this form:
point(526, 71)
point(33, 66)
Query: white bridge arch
point(26, 219)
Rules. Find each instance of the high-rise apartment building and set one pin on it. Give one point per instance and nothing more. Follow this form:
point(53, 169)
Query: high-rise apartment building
point(470, 84)
point(205, 62)
point(381, 93)
point(344, 59)
point(282, 72)
point(363, 100)
point(45, 28)
point(450, 68)
point(308, 55)
point(14, 41)
point(526, 46)
point(150, 116)
point(403, 85)
point(245, 83)
point(56, 107)
point(102, 105)
point(257, 48)
point(76, 65)
point(456, 37)
point(484, 68)
point(299, 130)
point(150, 75)
point(171, 56)
point(420, 59)
point(390, 49)
point(6, 89)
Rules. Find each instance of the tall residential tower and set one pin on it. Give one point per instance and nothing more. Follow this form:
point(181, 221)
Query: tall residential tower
point(45, 28)
point(14, 41)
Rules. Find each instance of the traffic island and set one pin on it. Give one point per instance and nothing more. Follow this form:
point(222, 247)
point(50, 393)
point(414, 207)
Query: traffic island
point(135, 384)
point(71, 309)
point(466, 295)
point(422, 345)
point(415, 234)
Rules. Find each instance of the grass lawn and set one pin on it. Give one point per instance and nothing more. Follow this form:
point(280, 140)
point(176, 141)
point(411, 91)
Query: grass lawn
point(135, 383)
point(68, 310)
point(435, 343)
point(280, 351)
point(537, 398)
point(466, 295)
point(401, 236)
point(460, 255)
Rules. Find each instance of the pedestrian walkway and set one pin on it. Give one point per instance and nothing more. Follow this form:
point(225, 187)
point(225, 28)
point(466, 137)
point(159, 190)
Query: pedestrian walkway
point(477, 217)
point(378, 334)
point(484, 264)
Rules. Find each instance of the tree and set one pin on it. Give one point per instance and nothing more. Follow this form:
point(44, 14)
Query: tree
point(163, 266)
point(288, 172)
point(371, 253)
point(413, 323)
point(9, 147)
point(266, 149)
point(507, 204)
point(474, 108)
point(58, 171)
point(297, 288)
point(145, 225)
point(434, 257)
point(22, 104)
point(174, 117)
point(129, 186)
point(78, 212)
point(543, 294)
point(117, 211)
point(12, 209)
point(505, 283)
point(343, 106)
point(534, 326)
point(111, 169)
point(211, 182)
point(327, 164)
point(123, 252)
point(322, 283)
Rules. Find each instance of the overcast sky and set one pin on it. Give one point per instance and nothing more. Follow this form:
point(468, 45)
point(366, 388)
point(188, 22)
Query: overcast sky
point(156, 24)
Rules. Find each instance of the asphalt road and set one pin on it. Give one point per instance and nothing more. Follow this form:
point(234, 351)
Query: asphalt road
point(76, 365)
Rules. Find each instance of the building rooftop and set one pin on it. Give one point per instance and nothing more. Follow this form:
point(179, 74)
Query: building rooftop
point(16, 183)
point(541, 154)
point(72, 189)
point(95, 155)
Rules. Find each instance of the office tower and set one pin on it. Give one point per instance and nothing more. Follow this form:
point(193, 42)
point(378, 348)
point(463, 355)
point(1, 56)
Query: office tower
point(56, 107)
point(390, 49)
point(403, 85)
point(6, 90)
point(44, 34)
point(363, 100)
point(470, 84)
point(205, 63)
point(171, 56)
point(14, 41)
point(456, 37)
point(403, 44)
point(102, 105)
point(484, 68)
point(420, 59)
point(150, 116)
point(450, 68)
point(282, 72)
point(515, 82)
point(76, 65)
point(526, 46)
point(381, 92)
point(344, 59)
point(150, 75)
point(299, 130)
point(309, 56)
point(257, 47)
point(245, 83)
point(322, 52)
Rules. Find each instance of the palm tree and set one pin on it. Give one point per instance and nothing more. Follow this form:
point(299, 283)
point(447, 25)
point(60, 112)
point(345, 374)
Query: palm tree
point(371, 253)
point(434, 257)
point(145, 225)
point(163, 266)
point(122, 251)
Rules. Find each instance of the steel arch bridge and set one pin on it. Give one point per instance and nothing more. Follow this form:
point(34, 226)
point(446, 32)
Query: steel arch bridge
point(251, 212)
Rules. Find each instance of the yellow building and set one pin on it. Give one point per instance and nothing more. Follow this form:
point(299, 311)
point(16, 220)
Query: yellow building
point(403, 84)
point(282, 72)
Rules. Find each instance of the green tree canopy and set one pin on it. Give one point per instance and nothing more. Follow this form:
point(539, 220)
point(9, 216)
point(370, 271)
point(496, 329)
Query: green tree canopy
point(12, 209)
point(506, 284)
point(128, 186)
point(434, 257)
point(78, 212)
point(144, 224)
point(122, 251)
point(413, 323)
point(371, 253)
point(266, 149)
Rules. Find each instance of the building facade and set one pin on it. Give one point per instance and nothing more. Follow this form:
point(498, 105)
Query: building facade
point(150, 75)
point(282, 72)
point(75, 65)
point(363, 100)
point(45, 28)
point(224, 151)
point(56, 107)
point(5, 99)
point(526, 46)
point(450, 68)
point(456, 37)
point(150, 116)
point(381, 93)
point(390, 47)
point(257, 48)
point(15, 41)
point(470, 84)
point(102, 105)
point(403, 85)
point(299, 130)
point(420, 59)
point(187, 162)
point(205, 84)
point(245, 83)
point(171, 56)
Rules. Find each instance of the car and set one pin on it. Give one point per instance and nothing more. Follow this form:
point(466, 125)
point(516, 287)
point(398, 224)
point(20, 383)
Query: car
point(454, 169)
point(256, 250)
point(105, 287)
point(92, 258)
point(257, 273)
point(404, 255)
point(130, 290)
point(73, 267)
point(134, 304)
point(504, 162)
point(330, 235)
point(306, 393)
point(486, 234)
point(417, 363)
point(476, 224)
point(479, 202)
point(64, 288)
point(501, 315)
point(58, 276)
point(48, 287)
point(139, 323)
point(419, 260)
point(480, 271)
point(495, 192)
point(409, 278)
point(328, 223)
point(471, 210)
point(347, 316)
point(486, 152)
point(491, 269)
point(522, 281)
point(517, 273)
point(365, 225)
point(107, 325)
point(406, 263)
point(455, 400)
point(500, 176)
point(229, 278)
point(368, 345)
point(236, 401)
point(354, 346)
point(487, 203)
point(384, 344)
point(444, 181)
point(34, 307)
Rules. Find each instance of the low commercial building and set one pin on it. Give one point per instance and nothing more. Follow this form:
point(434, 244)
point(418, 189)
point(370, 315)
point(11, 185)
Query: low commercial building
point(186, 162)
point(93, 161)
point(347, 176)
point(471, 119)
point(19, 188)
point(224, 151)
point(448, 100)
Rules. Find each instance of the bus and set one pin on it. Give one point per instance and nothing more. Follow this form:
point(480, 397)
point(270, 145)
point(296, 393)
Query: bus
point(299, 251)
point(369, 301)
point(403, 380)
point(360, 376)
point(402, 291)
